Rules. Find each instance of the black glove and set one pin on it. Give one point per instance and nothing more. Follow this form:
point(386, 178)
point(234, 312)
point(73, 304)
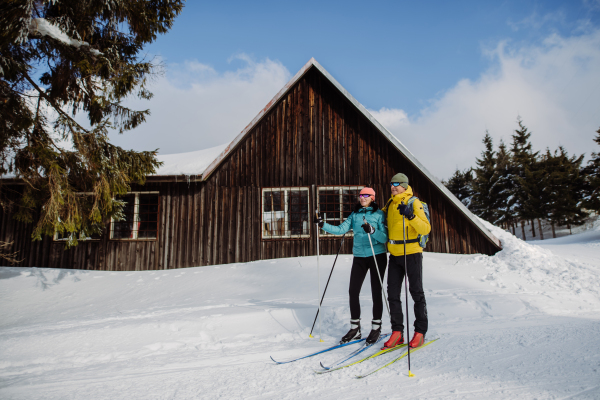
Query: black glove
point(406, 210)
point(318, 220)
point(368, 228)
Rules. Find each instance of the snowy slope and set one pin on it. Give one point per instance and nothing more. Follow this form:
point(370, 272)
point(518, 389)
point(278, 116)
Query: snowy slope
point(522, 324)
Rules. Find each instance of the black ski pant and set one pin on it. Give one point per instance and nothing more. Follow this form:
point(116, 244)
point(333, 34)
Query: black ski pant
point(360, 266)
point(415, 287)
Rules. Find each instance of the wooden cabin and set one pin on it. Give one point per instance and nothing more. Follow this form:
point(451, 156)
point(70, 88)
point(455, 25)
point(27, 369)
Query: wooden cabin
point(313, 146)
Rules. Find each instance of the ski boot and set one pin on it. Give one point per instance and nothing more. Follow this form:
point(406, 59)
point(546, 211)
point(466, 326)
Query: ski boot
point(396, 339)
point(417, 340)
point(353, 333)
point(375, 332)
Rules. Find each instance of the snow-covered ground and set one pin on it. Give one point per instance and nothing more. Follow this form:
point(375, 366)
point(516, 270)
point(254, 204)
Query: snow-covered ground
point(522, 324)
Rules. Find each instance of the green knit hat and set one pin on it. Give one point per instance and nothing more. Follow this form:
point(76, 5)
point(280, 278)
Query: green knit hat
point(403, 179)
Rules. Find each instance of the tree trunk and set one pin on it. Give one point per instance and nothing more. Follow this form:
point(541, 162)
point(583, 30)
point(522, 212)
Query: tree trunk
point(523, 230)
point(513, 228)
point(540, 228)
point(532, 229)
point(569, 226)
point(553, 231)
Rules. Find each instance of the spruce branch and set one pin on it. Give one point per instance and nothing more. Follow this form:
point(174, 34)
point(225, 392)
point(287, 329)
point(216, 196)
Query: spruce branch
point(52, 103)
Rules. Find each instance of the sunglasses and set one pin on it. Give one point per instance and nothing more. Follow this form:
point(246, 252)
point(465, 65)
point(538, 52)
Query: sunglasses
point(396, 184)
point(364, 196)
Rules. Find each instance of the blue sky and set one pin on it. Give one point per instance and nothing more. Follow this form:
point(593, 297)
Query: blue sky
point(408, 62)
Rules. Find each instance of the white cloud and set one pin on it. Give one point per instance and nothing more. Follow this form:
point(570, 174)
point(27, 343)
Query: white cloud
point(196, 107)
point(392, 118)
point(554, 87)
point(537, 21)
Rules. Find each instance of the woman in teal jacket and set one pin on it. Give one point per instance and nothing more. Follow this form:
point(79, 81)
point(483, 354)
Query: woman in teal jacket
point(367, 219)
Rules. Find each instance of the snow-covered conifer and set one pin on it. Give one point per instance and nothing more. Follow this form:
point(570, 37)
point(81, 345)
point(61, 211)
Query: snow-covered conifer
point(59, 58)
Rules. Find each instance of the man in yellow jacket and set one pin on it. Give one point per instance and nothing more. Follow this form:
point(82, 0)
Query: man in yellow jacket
point(416, 224)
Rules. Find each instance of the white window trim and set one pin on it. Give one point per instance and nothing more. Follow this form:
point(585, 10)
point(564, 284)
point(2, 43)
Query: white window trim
point(136, 208)
point(322, 233)
point(286, 190)
point(65, 239)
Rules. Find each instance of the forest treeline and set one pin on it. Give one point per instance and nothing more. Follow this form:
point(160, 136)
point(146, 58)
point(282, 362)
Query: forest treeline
point(517, 186)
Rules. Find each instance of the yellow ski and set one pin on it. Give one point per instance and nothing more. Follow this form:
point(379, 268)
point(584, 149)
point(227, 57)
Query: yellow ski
point(396, 359)
point(380, 352)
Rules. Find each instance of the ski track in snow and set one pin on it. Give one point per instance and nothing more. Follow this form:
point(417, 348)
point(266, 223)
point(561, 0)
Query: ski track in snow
point(524, 323)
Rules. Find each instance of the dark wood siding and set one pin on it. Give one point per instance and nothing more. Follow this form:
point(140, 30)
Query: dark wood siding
point(313, 136)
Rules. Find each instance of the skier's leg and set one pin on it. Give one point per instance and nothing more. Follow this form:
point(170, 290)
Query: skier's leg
point(376, 292)
point(415, 281)
point(377, 295)
point(395, 278)
point(357, 277)
point(360, 266)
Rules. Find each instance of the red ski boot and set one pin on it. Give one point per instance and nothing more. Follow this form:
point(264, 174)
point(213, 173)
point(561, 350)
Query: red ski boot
point(417, 340)
point(396, 339)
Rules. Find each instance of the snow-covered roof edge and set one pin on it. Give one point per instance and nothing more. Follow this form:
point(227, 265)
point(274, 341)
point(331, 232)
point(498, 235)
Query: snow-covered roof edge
point(394, 140)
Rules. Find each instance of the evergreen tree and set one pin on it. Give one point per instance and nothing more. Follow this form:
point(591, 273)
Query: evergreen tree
point(58, 58)
point(460, 185)
point(532, 188)
point(503, 187)
point(563, 189)
point(483, 201)
point(524, 160)
point(591, 176)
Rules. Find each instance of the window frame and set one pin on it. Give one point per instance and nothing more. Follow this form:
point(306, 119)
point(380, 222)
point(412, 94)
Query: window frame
point(136, 216)
point(340, 188)
point(286, 190)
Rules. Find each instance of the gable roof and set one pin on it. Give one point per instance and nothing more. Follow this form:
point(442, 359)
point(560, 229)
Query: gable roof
point(312, 63)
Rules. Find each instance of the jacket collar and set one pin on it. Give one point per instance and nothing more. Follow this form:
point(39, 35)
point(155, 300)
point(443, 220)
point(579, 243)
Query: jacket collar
point(403, 197)
point(373, 207)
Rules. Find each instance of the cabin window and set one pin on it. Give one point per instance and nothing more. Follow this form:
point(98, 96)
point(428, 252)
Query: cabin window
point(336, 203)
point(285, 213)
point(141, 217)
point(70, 236)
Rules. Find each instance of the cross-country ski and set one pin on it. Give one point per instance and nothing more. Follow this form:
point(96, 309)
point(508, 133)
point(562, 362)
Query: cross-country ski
point(365, 358)
point(319, 352)
point(396, 359)
point(354, 353)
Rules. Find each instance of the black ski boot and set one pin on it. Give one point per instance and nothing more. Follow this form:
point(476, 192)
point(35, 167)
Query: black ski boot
point(353, 333)
point(375, 332)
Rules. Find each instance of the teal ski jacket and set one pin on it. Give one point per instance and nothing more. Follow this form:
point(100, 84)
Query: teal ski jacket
point(376, 218)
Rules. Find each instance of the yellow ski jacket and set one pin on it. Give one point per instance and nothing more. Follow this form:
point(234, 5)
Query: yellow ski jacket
point(417, 226)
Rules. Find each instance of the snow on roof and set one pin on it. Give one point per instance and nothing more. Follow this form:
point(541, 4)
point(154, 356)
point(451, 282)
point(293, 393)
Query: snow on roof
point(190, 163)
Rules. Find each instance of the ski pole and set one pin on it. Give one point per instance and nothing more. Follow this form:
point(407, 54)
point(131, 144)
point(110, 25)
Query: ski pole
point(410, 374)
point(336, 257)
point(378, 274)
point(319, 279)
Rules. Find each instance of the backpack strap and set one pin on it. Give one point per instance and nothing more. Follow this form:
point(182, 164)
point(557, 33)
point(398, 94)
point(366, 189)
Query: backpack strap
point(411, 201)
point(387, 205)
point(387, 210)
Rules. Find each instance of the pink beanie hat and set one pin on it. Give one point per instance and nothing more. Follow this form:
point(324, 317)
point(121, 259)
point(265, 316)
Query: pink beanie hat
point(368, 191)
